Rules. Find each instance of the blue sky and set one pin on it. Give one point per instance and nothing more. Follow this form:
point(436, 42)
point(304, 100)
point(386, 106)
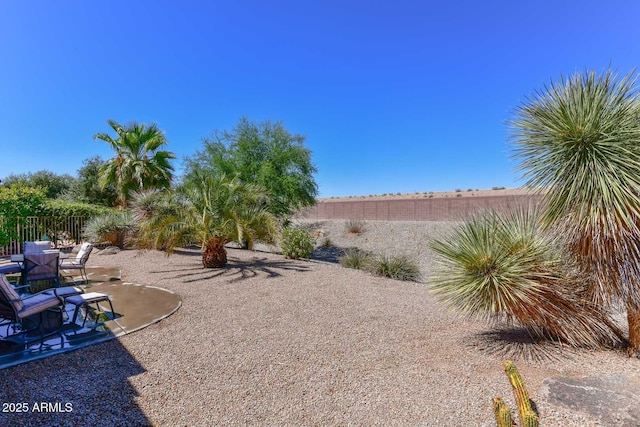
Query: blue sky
point(393, 96)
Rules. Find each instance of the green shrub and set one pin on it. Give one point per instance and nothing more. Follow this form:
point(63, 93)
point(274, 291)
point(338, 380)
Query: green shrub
point(297, 243)
point(355, 258)
point(396, 267)
point(115, 228)
point(355, 227)
point(327, 243)
point(16, 202)
point(62, 208)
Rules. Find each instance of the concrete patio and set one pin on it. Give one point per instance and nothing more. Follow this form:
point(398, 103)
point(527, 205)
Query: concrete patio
point(135, 306)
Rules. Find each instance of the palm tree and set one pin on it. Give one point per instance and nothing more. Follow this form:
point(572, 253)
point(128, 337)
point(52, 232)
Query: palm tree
point(579, 139)
point(212, 211)
point(138, 164)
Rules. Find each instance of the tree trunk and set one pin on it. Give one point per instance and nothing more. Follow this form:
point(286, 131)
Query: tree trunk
point(633, 319)
point(214, 254)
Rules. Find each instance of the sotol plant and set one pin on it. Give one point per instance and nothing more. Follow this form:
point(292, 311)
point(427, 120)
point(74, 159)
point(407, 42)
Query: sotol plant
point(504, 267)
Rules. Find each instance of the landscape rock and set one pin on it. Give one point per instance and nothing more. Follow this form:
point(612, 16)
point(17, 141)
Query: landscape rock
point(109, 250)
point(612, 399)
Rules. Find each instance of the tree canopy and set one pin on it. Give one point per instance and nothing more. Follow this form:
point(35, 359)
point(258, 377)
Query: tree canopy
point(52, 184)
point(266, 154)
point(16, 202)
point(86, 188)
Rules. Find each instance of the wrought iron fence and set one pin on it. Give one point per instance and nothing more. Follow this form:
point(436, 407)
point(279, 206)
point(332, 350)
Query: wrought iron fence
point(63, 232)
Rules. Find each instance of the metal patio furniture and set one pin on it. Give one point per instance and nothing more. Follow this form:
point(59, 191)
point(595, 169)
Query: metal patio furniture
point(41, 267)
point(40, 314)
point(80, 261)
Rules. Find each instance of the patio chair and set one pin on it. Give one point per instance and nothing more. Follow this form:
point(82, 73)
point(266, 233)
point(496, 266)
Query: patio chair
point(80, 261)
point(36, 247)
point(40, 313)
point(41, 267)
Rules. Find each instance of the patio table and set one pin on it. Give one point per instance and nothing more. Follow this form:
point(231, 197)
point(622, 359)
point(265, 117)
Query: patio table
point(10, 268)
point(20, 257)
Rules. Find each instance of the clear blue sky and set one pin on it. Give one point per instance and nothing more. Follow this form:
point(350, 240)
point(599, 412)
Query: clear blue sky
point(393, 96)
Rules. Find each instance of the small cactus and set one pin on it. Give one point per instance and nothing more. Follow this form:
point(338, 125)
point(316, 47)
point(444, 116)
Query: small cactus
point(520, 392)
point(528, 417)
point(502, 412)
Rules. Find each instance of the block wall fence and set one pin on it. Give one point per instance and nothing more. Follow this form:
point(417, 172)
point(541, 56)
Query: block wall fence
point(435, 209)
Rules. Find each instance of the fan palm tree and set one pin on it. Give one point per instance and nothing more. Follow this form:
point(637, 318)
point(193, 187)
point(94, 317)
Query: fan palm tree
point(212, 211)
point(579, 139)
point(139, 163)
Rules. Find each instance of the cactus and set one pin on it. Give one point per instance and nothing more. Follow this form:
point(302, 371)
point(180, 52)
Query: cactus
point(502, 412)
point(528, 418)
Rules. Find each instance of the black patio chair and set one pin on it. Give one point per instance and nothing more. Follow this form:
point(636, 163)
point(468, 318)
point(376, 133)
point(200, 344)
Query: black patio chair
point(38, 315)
point(41, 267)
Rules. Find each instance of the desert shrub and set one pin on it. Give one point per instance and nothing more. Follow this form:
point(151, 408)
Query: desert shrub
point(62, 208)
point(399, 267)
point(498, 188)
point(355, 227)
point(458, 190)
point(327, 243)
point(115, 228)
point(355, 258)
point(297, 243)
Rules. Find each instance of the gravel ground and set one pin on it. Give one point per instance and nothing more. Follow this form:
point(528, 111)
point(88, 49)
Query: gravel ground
point(270, 341)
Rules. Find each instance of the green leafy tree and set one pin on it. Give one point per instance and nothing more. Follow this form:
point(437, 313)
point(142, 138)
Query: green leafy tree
point(17, 202)
point(265, 154)
point(53, 185)
point(86, 187)
point(139, 163)
point(579, 139)
point(209, 210)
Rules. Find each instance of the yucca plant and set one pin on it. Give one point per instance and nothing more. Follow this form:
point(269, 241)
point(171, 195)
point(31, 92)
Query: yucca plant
point(579, 139)
point(503, 267)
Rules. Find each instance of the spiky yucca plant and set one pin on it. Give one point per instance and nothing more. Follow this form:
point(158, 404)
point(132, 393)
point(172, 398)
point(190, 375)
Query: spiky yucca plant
point(115, 228)
point(502, 267)
point(579, 139)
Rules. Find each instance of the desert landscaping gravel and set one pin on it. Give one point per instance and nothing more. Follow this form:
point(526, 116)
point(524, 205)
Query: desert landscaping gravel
point(275, 342)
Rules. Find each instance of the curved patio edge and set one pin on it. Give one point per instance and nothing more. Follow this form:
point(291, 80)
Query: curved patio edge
point(135, 307)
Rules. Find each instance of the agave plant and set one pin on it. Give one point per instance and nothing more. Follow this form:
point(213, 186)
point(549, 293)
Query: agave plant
point(211, 211)
point(579, 139)
point(503, 267)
